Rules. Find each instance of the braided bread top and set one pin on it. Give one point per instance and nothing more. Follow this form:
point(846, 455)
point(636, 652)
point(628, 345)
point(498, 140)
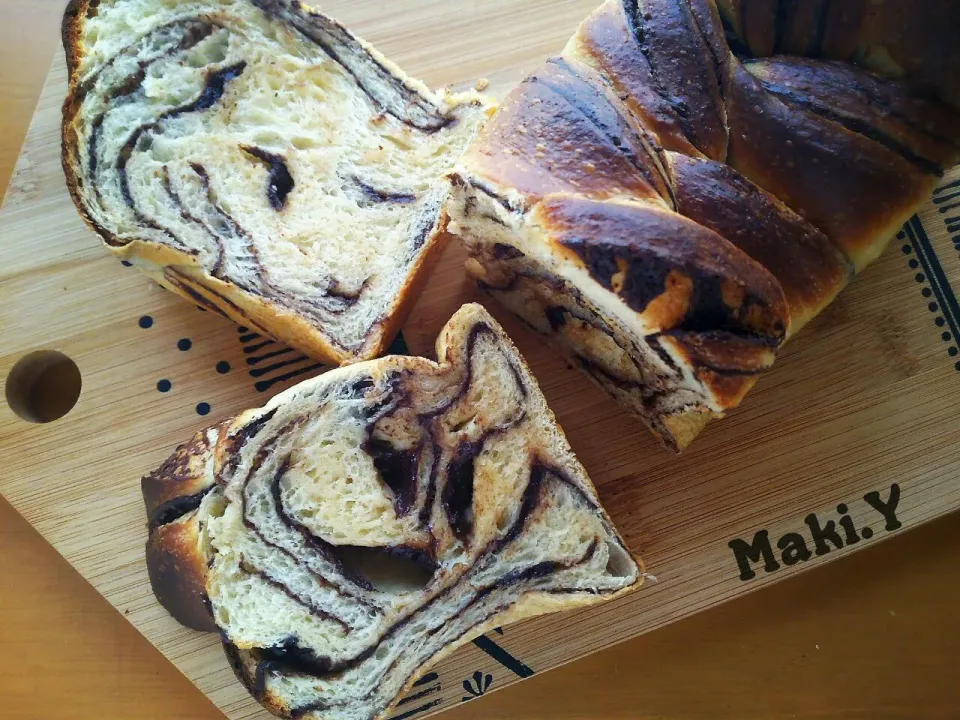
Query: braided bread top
point(845, 148)
point(685, 174)
point(913, 41)
point(842, 146)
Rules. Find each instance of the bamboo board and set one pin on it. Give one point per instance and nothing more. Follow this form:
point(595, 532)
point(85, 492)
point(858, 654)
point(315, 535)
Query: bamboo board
point(865, 400)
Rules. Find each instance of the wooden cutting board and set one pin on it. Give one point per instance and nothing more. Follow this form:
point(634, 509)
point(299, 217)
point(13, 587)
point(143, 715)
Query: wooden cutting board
point(851, 439)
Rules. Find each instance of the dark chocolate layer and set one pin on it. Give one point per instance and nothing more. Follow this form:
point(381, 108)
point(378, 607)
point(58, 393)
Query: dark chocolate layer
point(383, 88)
point(398, 468)
point(176, 508)
point(279, 181)
point(367, 195)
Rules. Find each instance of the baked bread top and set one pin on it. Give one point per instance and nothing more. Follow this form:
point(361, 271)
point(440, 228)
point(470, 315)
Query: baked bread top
point(365, 523)
point(912, 41)
point(690, 198)
point(258, 158)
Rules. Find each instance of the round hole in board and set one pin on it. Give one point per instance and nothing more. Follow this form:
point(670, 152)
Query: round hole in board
point(43, 386)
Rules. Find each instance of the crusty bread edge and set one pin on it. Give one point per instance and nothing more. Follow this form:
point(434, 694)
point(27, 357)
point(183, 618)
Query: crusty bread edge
point(178, 572)
point(176, 565)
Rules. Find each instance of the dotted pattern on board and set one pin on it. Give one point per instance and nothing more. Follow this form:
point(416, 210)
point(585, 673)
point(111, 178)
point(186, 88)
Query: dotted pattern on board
point(268, 362)
point(928, 271)
point(934, 307)
point(165, 385)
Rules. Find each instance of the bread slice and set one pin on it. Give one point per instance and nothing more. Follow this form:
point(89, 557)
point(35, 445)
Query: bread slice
point(369, 521)
point(259, 159)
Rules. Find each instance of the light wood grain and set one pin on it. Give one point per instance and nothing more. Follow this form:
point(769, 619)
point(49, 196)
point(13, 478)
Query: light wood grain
point(887, 415)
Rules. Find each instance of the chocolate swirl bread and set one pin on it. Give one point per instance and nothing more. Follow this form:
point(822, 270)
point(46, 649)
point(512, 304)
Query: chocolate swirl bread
point(369, 521)
point(259, 159)
point(675, 196)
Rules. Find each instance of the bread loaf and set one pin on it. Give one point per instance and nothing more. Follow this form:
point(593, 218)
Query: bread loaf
point(367, 522)
point(259, 159)
point(672, 211)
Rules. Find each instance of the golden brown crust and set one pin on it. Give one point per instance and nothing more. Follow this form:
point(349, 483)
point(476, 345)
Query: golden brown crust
point(922, 131)
point(185, 473)
point(808, 267)
point(604, 42)
point(805, 167)
point(670, 270)
point(178, 572)
point(73, 17)
point(561, 130)
point(175, 561)
point(915, 41)
point(847, 185)
point(75, 12)
point(671, 58)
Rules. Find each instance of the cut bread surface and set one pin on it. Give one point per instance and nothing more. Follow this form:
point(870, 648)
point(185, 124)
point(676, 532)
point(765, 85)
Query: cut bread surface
point(256, 157)
point(365, 523)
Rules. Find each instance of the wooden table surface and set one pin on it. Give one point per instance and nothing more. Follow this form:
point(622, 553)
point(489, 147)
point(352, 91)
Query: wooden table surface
point(874, 636)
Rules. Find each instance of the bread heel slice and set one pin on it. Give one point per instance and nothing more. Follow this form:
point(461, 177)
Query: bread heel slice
point(366, 523)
